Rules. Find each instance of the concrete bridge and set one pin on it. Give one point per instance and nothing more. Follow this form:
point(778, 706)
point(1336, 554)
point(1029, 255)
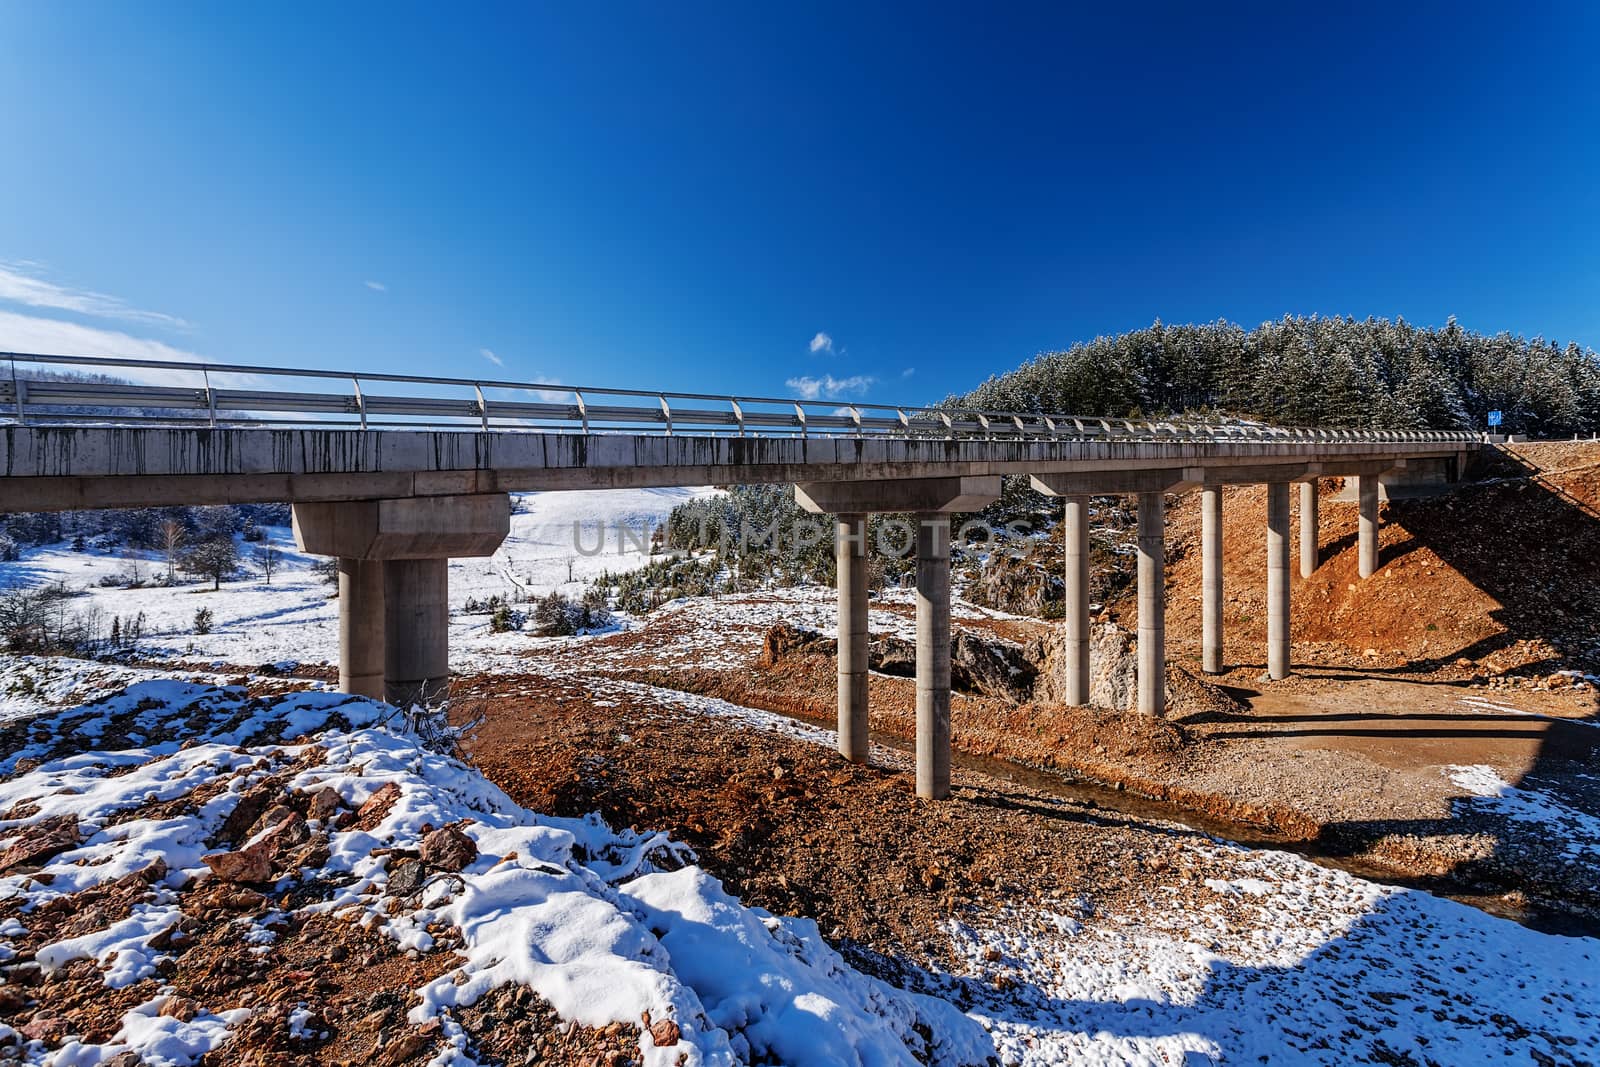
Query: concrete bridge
point(396, 483)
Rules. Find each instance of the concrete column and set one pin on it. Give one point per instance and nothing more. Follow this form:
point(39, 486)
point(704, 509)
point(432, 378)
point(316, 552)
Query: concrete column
point(933, 656)
point(850, 553)
point(1309, 529)
point(1152, 604)
point(1211, 579)
point(361, 627)
point(416, 612)
point(1278, 580)
point(1367, 507)
point(1077, 599)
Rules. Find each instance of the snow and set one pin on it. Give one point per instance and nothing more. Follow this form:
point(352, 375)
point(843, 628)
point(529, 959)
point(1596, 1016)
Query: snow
point(1287, 963)
point(585, 915)
point(559, 541)
point(1493, 794)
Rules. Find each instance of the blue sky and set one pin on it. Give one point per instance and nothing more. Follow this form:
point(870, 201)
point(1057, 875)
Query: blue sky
point(845, 200)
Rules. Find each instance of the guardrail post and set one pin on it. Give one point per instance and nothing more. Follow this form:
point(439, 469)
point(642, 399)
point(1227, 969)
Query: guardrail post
point(211, 398)
point(738, 414)
point(583, 411)
point(483, 407)
point(666, 413)
point(800, 416)
point(19, 393)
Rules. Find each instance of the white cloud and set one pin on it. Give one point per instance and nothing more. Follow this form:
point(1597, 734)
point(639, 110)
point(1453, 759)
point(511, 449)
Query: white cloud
point(830, 388)
point(822, 343)
point(30, 333)
point(908, 372)
point(489, 355)
point(377, 287)
point(21, 283)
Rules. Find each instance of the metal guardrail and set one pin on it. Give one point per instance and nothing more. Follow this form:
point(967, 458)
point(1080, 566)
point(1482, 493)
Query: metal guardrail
point(482, 405)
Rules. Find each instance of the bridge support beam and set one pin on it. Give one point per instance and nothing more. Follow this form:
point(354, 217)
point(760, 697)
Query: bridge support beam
point(933, 656)
point(1278, 580)
point(1152, 662)
point(1211, 579)
point(361, 627)
point(1309, 529)
point(1367, 535)
point(1077, 599)
point(850, 555)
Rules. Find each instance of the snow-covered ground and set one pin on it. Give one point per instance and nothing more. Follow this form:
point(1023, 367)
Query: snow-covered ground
point(1235, 956)
point(1246, 957)
point(558, 541)
point(604, 924)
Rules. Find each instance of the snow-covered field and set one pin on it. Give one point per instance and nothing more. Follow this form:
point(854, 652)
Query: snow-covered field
point(558, 541)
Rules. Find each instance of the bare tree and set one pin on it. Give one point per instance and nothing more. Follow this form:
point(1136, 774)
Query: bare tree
point(172, 537)
point(267, 558)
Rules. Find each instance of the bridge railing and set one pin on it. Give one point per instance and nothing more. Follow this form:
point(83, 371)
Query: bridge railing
point(44, 390)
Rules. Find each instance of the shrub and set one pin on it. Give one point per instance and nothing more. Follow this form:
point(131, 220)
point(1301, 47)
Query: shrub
point(202, 621)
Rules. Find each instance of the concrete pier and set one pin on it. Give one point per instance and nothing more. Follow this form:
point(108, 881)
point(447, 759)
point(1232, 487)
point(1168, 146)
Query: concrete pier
point(1367, 537)
point(394, 558)
point(1152, 665)
point(1309, 529)
point(850, 555)
point(416, 630)
point(1077, 599)
point(1278, 579)
point(361, 626)
point(1211, 579)
point(933, 656)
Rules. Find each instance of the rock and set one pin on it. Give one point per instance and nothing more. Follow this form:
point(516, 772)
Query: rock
point(449, 849)
point(323, 804)
point(247, 866)
point(407, 877)
point(258, 862)
point(378, 804)
point(40, 841)
point(991, 667)
point(784, 640)
point(180, 1008)
point(47, 1028)
point(246, 813)
point(665, 1033)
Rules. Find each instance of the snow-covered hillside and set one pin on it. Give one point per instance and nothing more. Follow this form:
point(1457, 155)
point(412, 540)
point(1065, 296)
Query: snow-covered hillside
point(558, 541)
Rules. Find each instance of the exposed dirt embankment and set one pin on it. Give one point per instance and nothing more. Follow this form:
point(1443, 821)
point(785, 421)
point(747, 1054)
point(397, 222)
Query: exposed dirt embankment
point(1497, 577)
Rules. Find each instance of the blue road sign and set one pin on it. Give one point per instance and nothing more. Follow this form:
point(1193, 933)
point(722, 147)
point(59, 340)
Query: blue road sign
point(1494, 418)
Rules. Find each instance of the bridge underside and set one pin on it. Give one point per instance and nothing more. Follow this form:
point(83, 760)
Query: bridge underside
point(395, 506)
